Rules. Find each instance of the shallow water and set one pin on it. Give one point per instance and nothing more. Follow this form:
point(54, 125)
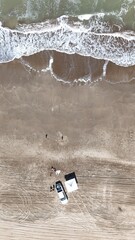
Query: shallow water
point(39, 10)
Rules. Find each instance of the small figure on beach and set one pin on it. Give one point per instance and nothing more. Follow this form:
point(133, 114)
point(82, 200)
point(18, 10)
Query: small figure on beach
point(52, 188)
point(53, 170)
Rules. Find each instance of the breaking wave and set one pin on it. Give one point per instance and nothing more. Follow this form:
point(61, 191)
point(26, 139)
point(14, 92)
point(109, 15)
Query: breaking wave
point(87, 35)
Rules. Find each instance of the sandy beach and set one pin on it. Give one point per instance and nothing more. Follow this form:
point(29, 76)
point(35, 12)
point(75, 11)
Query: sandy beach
point(89, 129)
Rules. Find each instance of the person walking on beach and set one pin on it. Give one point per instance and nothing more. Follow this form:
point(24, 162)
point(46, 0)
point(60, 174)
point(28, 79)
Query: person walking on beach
point(53, 170)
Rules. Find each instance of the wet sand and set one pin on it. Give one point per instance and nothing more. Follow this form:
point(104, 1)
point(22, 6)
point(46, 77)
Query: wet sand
point(90, 130)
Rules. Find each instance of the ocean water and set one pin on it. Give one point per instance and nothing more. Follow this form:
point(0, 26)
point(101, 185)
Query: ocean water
point(76, 40)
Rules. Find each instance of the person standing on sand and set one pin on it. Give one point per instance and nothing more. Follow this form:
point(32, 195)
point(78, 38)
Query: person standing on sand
point(53, 170)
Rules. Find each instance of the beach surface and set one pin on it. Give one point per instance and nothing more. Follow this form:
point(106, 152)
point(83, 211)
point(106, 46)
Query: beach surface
point(86, 128)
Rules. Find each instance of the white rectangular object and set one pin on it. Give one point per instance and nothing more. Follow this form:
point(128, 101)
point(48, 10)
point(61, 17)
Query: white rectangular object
point(71, 185)
point(61, 195)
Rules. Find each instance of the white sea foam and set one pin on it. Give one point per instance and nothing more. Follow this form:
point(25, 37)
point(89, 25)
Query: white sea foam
point(125, 7)
point(28, 66)
point(118, 47)
point(87, 16)
point(105, 69)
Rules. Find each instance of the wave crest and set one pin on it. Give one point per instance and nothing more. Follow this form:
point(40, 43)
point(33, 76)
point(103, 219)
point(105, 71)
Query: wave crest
point(66, 35)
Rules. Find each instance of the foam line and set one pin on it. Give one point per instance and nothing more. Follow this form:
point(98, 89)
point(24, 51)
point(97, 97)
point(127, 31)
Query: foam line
point(117, 47)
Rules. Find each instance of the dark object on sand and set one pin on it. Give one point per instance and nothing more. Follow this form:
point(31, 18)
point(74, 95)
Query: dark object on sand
point(52, 170)
point(52, 188)
point(120, 209)
point(71, 176)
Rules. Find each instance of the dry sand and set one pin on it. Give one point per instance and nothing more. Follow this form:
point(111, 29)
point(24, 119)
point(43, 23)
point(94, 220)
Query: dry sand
point(98, 128)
